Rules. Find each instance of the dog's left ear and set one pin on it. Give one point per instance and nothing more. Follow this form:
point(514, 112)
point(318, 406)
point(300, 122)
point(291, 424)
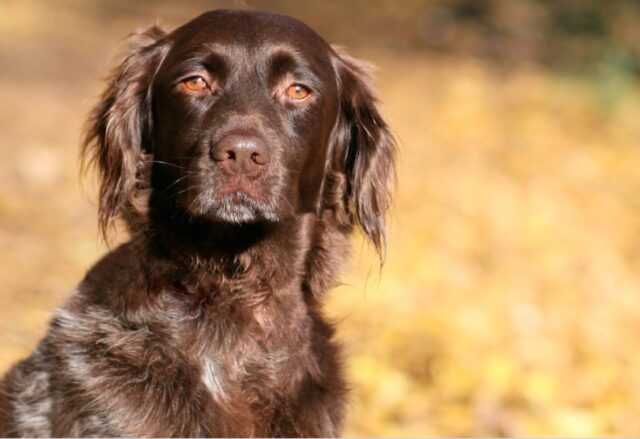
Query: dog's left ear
point(365, 149)
point(117, 132)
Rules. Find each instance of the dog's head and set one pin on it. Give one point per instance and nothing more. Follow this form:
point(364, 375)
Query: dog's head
point(241, 117)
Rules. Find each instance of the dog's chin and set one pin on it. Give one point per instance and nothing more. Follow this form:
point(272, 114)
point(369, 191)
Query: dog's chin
point(235, 208)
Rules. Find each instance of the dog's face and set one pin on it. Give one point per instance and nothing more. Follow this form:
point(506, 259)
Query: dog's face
point(244, 105)
point(242, 117)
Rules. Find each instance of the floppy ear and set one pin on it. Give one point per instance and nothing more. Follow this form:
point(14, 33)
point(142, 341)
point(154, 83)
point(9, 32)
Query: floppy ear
point(365, 149)
point(117, 132)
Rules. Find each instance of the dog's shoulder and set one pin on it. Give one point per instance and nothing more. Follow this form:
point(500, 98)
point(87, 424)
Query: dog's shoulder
point(121, 266)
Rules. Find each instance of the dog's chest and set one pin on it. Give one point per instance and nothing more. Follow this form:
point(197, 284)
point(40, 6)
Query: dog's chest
point(212, 378)
point(255, 368)
point(252, 358)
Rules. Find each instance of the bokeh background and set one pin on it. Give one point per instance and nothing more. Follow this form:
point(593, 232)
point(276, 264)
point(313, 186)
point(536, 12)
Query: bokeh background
point(509, 303)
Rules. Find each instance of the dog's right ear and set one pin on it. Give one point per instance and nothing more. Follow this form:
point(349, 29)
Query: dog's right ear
point(118, 130)
point(365, 150)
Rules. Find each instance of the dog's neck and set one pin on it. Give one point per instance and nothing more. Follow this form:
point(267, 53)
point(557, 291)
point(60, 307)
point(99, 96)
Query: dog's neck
point(199, 251)
point(307, 250)
point(185, 236)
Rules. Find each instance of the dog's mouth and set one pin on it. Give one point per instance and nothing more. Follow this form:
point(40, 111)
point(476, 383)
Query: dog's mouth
point(210, 195)
point(239, 185)
point(236, 201)
point(240, 207)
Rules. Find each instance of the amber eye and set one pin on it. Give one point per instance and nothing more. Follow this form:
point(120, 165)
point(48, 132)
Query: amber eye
point(298, 92)
point(196, 83)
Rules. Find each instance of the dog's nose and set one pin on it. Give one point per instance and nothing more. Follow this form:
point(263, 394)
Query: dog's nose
point(240, 154)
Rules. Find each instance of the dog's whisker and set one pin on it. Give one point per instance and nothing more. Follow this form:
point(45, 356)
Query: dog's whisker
point(173, 165)
point(175, 183)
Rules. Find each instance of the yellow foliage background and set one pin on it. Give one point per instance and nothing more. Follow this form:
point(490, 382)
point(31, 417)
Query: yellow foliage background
point(509, 303)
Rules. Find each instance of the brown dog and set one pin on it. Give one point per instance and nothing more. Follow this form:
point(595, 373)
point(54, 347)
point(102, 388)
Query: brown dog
point(240, 149)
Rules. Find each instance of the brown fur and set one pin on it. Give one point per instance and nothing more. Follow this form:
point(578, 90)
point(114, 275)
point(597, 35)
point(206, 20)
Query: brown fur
point(208, 321)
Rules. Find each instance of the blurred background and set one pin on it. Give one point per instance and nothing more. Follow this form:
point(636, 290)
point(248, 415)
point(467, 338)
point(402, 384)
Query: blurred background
point(509, 304)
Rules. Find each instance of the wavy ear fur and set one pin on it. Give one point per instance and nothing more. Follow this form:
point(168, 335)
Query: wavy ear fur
point(365, 149)
point(117, 132)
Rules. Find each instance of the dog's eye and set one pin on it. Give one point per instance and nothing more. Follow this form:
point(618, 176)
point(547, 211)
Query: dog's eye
point(195, 84)
point(298, 92)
